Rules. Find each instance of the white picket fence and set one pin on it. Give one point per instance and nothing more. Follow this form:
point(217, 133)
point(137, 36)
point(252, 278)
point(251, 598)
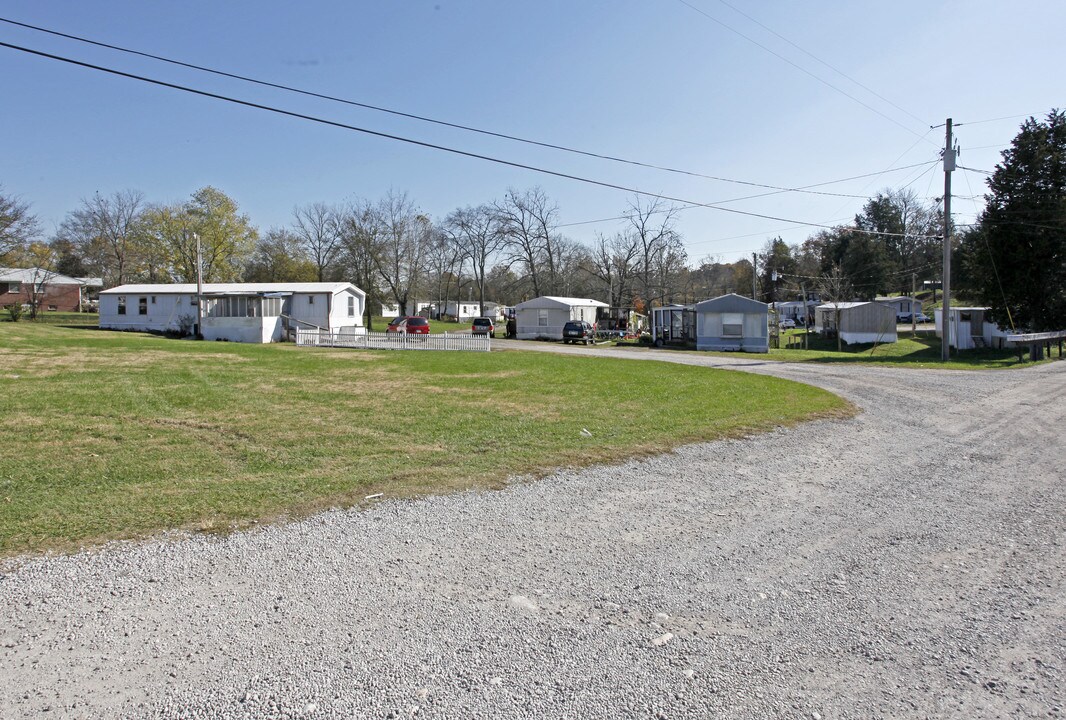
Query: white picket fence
point(392, 341)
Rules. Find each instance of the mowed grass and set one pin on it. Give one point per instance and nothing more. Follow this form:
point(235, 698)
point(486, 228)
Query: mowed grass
point(920, 351)
point(113, 435)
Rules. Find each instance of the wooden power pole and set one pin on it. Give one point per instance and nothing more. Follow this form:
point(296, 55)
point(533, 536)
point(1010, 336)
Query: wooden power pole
point(945, 320)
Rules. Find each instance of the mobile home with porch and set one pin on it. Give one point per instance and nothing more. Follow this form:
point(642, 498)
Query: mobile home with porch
point(239, 312)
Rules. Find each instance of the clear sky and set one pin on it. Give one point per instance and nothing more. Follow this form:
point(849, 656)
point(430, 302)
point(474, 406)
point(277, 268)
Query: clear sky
point(658, 81)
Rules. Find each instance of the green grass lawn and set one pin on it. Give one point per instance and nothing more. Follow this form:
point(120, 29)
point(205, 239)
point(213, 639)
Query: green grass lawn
point(117, 435)
point(921, 351)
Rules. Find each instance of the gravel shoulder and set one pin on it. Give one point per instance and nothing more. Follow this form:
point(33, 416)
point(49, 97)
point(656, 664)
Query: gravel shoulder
point(908, 562)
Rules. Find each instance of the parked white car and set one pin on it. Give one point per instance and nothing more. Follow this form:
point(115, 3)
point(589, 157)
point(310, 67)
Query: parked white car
point(786, 324)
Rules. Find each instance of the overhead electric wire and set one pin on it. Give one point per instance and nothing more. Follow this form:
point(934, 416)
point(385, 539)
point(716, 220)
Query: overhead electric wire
point(918, 177)
point(799, 67)
point(399, 113)
point(803, 187)
point(898, 158)
point(410, 141)
point(811, 55)
point(1005, 117)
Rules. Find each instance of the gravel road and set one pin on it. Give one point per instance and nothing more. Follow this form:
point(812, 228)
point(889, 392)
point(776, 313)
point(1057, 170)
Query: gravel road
point(906, 563)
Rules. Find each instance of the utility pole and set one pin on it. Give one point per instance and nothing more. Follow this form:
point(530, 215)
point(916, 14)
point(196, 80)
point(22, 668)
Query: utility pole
point(199, 289)
point(806, 317)
point(754, 276)
point(945, 320)
point(914, 294)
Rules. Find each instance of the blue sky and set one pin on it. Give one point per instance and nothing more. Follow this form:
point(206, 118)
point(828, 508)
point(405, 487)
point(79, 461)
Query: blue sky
point(650, 80)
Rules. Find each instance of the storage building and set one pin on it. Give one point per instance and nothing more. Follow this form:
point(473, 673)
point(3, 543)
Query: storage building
point(859, 322)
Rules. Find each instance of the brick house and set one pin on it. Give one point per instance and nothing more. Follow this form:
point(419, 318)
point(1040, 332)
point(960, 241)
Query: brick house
point(56, 292)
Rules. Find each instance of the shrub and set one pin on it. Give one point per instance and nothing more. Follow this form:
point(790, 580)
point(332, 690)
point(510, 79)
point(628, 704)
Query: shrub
point(14, 310)
point(185, 325)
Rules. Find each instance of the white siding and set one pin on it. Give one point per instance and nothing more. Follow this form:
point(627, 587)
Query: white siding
point(338, 317)
point(162, 315)
point(528, 325)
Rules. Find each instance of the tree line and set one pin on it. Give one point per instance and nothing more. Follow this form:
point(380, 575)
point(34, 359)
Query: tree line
point(514, 248)
point(505, 251)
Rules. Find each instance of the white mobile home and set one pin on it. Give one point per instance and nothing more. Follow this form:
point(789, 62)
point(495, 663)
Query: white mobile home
point(240, 312)
point(544, 317)
point(732, 322)
point(970, 328)
point(901, 304)
point(470, 309)
point(794, 310)
point(860, 322)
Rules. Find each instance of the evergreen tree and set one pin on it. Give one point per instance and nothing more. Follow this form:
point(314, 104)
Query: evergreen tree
point(1015, 260)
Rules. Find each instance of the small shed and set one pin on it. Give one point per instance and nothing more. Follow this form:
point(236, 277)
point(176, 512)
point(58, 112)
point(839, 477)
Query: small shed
point(732, 322)
point(860, 322)
point(970, 328)
point(543, 317)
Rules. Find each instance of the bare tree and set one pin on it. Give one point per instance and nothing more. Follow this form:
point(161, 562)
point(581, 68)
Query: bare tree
point(43, 258)
point(445, 264)
point(835, 288)
point(528, 221)
point(477, 232)
point(659, 246)
point(108, 231)
point(405, 234)
point(362, 248)
point(318, 227)
point(613, 262)
point(18, 226)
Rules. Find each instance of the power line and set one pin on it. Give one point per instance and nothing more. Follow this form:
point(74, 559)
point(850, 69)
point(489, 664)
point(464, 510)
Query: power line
point(802, 187)
point(398, 113)
point(898, 158)
point(800, 68)
point(411, 141)
point(870, 274)
point(811, 55)
point(1006, 117)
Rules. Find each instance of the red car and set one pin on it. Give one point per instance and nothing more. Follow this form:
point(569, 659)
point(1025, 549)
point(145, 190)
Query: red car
point(411, 325)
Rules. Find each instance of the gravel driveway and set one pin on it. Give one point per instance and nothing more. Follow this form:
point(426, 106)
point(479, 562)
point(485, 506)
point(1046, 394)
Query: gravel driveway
point(906, 563)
